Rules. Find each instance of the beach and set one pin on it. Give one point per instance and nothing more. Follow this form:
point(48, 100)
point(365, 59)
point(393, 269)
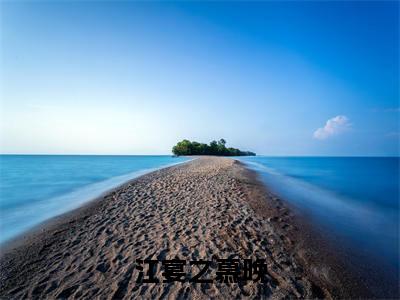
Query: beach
point(207, 209)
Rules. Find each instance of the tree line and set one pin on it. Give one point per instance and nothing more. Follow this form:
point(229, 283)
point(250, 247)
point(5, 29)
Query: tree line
point(186, 147)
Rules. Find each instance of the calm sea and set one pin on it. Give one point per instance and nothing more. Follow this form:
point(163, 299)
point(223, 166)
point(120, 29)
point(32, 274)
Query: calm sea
point(34, 188)
point(355, 200)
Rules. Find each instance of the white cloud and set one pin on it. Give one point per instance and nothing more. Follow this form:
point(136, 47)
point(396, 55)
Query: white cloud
point(332, 127)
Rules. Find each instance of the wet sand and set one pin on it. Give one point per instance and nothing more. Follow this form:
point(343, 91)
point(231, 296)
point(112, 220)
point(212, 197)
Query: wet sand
point(209, 208)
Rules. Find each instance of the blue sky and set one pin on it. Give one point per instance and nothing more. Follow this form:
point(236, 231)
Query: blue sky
point(277, 78)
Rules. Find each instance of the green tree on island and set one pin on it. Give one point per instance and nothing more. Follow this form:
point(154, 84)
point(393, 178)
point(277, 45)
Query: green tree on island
point(186, 147)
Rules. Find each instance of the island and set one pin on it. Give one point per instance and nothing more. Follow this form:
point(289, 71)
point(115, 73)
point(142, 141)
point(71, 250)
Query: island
point(186, 147)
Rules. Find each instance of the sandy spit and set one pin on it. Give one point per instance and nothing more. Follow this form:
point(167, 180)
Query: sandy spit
point(209, 208)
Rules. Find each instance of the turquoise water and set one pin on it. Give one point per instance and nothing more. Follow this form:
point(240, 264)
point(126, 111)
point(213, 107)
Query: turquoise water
point(34, 188)
point(353, 200)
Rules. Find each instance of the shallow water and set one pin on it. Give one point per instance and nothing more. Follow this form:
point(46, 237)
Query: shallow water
point(34, 188)
point(354, 199)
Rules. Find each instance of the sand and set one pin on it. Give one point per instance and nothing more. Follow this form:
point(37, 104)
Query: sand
point(209, 208)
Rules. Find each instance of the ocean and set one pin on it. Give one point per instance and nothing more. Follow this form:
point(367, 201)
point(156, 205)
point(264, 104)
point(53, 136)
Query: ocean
point(353, 200)
point(34, 188)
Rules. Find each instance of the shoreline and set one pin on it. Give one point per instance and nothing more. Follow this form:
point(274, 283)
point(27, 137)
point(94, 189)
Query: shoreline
point(42, 225)
point(272, 232)
point(316, 251)
point(357, 274)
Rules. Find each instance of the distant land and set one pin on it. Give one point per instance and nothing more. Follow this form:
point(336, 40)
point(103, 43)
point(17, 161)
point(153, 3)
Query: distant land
point(186, 147)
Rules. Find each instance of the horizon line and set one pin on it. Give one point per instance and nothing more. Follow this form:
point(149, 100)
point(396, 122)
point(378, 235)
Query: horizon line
point(260, 155)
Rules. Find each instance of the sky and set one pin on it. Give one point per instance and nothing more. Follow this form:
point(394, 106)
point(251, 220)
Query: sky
point(276, 78)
